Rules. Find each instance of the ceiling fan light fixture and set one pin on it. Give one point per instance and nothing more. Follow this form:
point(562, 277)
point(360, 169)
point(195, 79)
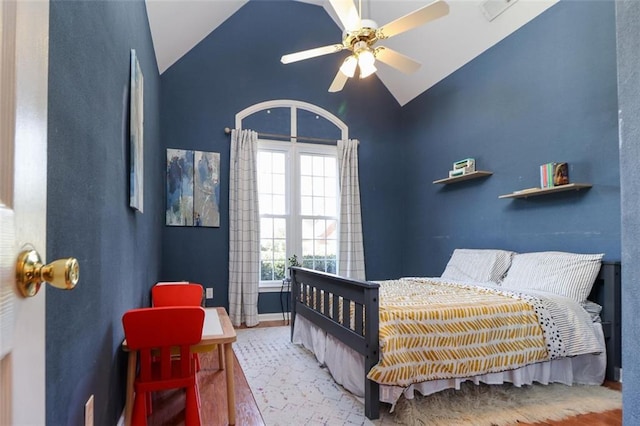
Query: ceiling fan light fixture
point(366, 61)
point(348, 67)
point(367, 70)
point(360, 36)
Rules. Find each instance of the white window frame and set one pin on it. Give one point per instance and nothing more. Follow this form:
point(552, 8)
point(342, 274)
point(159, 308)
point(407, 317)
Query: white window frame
point(294, 147)
point(293, 151)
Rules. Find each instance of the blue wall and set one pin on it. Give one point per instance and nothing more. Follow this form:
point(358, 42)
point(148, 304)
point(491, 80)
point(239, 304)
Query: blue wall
point(238, 65)
point(88, 202)
point(546, 93)
point(628, 38)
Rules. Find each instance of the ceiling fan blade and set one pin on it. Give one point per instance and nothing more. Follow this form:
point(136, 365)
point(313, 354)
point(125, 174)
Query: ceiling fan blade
point(396, 60)
point(311, 53)
point(418, 17)
point(338, 82)
point(347, 13)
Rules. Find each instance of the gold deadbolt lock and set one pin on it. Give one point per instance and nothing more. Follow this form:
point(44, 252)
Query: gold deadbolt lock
point(31, 273)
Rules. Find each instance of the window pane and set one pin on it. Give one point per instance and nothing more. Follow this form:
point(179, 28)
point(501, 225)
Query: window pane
point(266, 228)
point(266, 271)
point(306, 206)
point(279, 163)
point(280, 228)
point(319, 247)
point(279, 186)
point(332, 248)
point(332, 229)
point(330, 207)
point(266, 249)
point(279, 271)
point(306, 183)
point(272, 198)
point(305, 165)
point(318, 185)
point(264, 183)
point(279, 250)
point(264, 162)
point(318, 206)
point(271, 181)
point(266, 204)
point(329, 167)
point(279, 204)
point(330, 187)
point(307, 229)
point(307, 248)
point(318, 165)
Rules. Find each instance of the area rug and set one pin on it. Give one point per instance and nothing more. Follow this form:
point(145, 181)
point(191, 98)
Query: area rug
point(291, 388)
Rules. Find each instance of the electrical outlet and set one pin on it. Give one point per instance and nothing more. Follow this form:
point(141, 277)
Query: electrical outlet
point(88, 412)
point(209, 293)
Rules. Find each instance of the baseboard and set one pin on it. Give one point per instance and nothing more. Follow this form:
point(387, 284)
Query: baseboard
point(275, 316)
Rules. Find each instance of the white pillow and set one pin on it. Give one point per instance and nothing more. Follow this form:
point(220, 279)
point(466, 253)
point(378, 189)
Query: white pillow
point(478, 265)
point(567, 274)
point(593, 309)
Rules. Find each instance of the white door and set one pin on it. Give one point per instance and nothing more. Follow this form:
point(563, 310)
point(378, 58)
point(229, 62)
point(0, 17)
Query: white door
point(24, 42)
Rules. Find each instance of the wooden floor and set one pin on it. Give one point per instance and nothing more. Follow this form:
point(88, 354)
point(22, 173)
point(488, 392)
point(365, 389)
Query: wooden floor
point(247, 413)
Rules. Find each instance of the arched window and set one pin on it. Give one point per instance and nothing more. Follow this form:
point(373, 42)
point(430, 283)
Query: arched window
point(297, 184)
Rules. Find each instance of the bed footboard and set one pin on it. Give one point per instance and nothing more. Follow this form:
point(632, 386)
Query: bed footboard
point(348, 310)
point(606, 293)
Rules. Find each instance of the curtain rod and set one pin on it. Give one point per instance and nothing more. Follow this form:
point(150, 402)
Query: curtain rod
point(227, 130)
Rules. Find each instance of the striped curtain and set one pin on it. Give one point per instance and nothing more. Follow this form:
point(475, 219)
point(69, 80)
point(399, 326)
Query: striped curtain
point(351, 262)
point(244, 229)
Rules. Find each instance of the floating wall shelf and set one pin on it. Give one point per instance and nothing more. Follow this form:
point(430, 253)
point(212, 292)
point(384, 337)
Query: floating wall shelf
point(533, 192)
point(468, 176)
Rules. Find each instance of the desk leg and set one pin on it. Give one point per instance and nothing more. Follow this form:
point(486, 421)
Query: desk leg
point(131, 376)
point(231, 392)
point(221, 356)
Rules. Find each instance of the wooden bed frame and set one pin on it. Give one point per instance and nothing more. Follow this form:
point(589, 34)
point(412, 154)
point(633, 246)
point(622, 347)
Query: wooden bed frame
point(313, 292)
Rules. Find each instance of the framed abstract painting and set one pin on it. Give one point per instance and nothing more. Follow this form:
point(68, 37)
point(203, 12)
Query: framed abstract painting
point(179, 211)
point(193, 188)
point(206, 189)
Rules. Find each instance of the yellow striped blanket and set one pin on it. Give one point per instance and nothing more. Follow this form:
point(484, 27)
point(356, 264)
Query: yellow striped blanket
point(436, 330)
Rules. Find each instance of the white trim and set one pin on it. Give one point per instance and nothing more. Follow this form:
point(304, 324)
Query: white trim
point(294, 121)
point(290, 103)
point(293, 151)
point(271, 287)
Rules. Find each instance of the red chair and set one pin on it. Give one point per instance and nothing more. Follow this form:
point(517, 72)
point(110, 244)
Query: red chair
point(174, 294)
point(155, 333)
point(182, 294)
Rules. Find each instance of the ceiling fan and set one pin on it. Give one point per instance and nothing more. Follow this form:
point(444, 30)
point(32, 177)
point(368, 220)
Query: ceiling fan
point(360, 35)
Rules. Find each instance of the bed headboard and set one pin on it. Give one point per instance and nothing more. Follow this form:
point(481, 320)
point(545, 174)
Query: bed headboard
point(606, 292)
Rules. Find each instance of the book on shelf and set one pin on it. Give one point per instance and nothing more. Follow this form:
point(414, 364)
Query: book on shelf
point(554, 174)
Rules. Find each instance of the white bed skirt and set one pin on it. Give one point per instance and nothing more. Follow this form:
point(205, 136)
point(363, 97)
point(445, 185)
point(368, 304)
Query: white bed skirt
point(347, 367)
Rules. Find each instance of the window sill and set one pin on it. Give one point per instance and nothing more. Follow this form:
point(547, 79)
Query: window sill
point(272, 287)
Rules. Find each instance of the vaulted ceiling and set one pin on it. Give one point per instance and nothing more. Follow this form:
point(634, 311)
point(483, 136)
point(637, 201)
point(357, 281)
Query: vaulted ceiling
point(441, 46)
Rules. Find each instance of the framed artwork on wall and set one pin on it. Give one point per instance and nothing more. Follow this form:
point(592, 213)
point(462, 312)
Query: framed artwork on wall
point(136, 133)
point(193, 188)
point(179, 211)
point(206, 189)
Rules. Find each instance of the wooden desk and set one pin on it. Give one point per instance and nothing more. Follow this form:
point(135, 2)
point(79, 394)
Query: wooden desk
point(208, 341)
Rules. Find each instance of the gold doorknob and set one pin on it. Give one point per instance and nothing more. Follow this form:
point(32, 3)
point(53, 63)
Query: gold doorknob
point(31, 273)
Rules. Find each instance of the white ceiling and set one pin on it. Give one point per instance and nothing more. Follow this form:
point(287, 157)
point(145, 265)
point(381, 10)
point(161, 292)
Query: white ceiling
point(441, 46)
